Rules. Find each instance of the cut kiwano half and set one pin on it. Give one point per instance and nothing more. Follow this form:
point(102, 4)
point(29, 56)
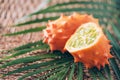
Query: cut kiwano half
point(59, 31)
point(89, 45)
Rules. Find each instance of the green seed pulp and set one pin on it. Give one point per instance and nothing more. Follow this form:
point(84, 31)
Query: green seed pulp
point(83, 37)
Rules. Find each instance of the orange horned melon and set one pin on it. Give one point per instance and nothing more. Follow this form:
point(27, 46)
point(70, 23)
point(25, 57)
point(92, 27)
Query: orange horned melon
point(59, 31)
point(89, 45)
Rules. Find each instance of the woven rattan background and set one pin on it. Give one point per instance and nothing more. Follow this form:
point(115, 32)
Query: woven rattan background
point(10, 11)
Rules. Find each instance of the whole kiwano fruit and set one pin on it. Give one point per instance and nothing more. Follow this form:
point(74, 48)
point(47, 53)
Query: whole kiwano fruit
point(59, 31)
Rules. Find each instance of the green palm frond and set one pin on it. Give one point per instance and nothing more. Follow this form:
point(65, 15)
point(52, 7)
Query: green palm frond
point(36, 21)
point(37, 29)
point(56, 65)
point(107, 71)
point(116, 30)
point(29, 45)
point(115, 67)
point(80, 71)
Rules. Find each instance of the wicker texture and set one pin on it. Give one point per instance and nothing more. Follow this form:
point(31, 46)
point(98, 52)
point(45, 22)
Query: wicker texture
point(10, 11)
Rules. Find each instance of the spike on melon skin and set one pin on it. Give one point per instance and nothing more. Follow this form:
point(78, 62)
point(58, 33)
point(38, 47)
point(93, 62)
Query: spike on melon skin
point(59, 31)
point(97, 54)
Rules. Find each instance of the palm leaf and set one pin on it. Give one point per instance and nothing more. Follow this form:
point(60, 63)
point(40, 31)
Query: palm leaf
point(41, 70)
point(34, 66)
point(29, 45)
point(93, 74)
point(71, 72)
point(28, 48)
point(36, 21)
point(116, 30)
point(59, 66)
point(114, 43)
point(37, 29)
point(29, 59)
point(107, 71)
point(100, 75)
point(21, 52)
point(80, 71)
point(58, 75)
point(50, 73)
point(62, 75)
point(115, 68)
point(116, 48)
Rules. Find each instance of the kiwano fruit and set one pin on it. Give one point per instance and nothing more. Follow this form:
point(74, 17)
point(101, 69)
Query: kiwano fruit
point(81, 35)
point(59, 31)
point(89, 45)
